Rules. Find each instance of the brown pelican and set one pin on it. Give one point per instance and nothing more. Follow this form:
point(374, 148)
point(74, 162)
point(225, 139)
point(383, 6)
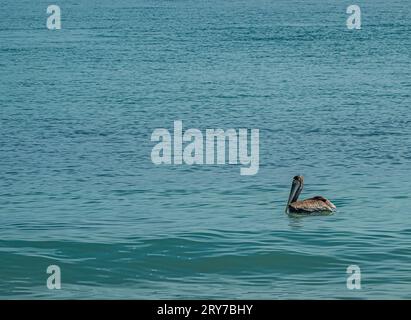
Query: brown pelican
point(316, 204)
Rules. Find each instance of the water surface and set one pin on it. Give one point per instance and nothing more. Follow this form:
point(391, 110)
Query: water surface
point(78, 188)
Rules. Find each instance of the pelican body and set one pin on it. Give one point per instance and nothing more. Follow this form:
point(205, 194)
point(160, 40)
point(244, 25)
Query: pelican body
point(317, 204)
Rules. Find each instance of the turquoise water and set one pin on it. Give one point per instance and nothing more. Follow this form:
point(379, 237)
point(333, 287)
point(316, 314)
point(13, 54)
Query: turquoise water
point(78, 188)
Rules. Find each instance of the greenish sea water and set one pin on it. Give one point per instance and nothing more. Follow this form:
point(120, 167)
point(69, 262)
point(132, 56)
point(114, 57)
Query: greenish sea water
point(78, 188)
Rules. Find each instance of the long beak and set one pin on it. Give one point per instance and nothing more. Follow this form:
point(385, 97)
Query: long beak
point(294, 187)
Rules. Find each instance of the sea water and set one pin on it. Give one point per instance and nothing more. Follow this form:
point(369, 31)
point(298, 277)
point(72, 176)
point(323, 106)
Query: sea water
point(78, 188)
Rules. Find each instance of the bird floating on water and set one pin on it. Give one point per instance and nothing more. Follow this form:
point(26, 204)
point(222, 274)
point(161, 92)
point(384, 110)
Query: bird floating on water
point(317, 204)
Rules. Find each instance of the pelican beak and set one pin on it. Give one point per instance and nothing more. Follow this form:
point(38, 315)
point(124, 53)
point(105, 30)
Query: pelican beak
point(294, 187)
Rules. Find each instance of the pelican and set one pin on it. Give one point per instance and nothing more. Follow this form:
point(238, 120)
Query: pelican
point(317, 204)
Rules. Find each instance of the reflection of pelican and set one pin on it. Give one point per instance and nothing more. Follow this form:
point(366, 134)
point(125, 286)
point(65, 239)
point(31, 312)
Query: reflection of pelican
point(316, 204)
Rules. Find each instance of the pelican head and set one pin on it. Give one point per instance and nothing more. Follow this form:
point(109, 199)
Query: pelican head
point(296, 188)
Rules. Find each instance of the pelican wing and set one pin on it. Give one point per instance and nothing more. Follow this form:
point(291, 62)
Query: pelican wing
point(316, 204)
